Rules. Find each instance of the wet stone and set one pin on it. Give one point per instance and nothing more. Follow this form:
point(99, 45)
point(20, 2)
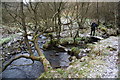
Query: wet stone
point(14, 73)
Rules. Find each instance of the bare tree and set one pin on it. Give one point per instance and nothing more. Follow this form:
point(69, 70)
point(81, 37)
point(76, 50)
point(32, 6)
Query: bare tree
point(81, 12)
point(22, 21)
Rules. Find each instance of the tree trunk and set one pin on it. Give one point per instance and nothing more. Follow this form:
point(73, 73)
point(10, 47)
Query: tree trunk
point(98, 13)
point(59, 22)
point(43, 60)
point(25, 30)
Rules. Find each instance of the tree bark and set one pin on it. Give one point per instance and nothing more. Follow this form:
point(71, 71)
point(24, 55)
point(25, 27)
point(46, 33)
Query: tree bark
point(25, 30)
point(43, 60)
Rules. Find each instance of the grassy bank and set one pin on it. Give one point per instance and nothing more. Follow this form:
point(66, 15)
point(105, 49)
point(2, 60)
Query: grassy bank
point(7, 39)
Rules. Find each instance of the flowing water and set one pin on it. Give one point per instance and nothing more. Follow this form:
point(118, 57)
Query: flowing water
point(20, 68)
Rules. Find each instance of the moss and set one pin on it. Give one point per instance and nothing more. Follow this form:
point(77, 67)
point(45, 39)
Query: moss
point(6, 40)
point(75, 51)
point(49, 44)
point(103, 28)
point(66, 41)
point(60, 71)
point(57, 73)
point(80, 38)
point(83, 63)
point(55, 42)
point(46, 45)
point(49, 34)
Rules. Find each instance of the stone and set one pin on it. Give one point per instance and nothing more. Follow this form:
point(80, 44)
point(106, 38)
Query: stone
point(30, 37)
point(62, 48)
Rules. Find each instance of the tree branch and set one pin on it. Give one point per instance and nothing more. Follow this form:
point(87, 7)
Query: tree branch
point(21, 56)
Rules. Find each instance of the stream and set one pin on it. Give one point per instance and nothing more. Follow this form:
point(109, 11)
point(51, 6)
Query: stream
point(20, 68)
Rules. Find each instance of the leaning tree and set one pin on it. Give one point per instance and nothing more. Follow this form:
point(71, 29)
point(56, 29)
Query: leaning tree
point(17, 11)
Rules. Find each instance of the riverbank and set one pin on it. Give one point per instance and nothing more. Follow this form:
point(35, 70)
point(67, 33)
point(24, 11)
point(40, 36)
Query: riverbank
point(100, 63)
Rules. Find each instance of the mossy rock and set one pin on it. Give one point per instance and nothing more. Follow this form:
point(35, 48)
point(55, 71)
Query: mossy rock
point(46, 45)
point(103, 28)
point(49, 34)
point(88, 40)
point(51, 44)
point(55, 42)
point(75, 51)
point(66, 41)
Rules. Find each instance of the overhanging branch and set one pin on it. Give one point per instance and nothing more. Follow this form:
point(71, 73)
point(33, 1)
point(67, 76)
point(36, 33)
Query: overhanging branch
point(21, 56)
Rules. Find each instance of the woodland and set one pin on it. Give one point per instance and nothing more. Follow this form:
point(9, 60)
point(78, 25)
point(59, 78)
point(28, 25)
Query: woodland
point(54, 40)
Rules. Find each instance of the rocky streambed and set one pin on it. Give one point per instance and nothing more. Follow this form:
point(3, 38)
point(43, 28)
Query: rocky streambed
point(25, 68)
